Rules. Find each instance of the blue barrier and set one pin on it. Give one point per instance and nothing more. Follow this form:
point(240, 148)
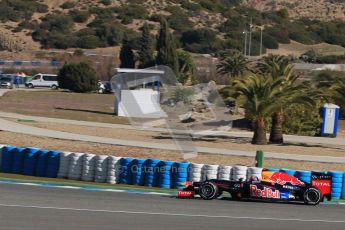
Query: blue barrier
point(137, 172)
point(164, 174)
point(7, 159)
point(179, 174)
point(304, 176)
point(30, 161)
point(337, 186)
point(53, 163)
point(151, 174)
point(126, 175)
point(288, 171)
point(18, 160)
point(42, 160)
point(273, 170)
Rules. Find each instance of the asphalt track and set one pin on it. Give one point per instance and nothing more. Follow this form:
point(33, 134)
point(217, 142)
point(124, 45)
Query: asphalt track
point(30, 207)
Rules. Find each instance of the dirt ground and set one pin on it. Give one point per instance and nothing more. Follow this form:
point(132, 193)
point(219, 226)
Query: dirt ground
point(59, 104)
point(211, 142)
point(20, 140)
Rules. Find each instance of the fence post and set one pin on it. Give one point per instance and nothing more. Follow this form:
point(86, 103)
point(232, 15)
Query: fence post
point(259, 159)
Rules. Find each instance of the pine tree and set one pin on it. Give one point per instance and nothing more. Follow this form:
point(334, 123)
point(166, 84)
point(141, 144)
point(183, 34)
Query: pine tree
point(146, 48)
point(166, 48)
point(126, 54)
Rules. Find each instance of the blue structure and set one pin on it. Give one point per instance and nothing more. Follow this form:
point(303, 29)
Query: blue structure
point(330, 120)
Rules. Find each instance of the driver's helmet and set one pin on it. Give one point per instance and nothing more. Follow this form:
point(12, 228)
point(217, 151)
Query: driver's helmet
point(254, 178)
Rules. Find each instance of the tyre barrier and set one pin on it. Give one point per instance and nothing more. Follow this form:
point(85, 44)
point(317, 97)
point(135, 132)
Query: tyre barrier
point(337, 184)
point(101, 167)
point(254, 172)
point(224, 172)
point(65, 158)
point(165, 174)
point(209, 172)
point(125, 175)
point(304, 176)
point(150, 172)
point(75, 166)
point(42, 161)
point(239, 172)
point(195, 172)
point(88, 171)
point(138, 177)
point(113, 173)
point(179, 174)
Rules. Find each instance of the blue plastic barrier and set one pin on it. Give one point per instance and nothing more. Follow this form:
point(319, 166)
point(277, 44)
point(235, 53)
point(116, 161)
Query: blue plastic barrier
point(337, 186)
point(42, 161)
point(273, 170)
point(126, 175)
point(151, 174)
point(137, 172)
point(7, 159)
point(179, 174)
point(18, 160)
point(164, 174)
point(30, 161)
point(304, 176)
point(288, 171)
point(53, 163)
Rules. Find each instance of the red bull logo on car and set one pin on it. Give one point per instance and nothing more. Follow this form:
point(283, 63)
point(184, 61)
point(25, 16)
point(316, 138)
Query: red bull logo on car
point(281, 178)
point(264, 193)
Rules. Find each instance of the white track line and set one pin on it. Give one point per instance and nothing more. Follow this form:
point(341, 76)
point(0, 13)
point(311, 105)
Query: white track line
point(170, 214)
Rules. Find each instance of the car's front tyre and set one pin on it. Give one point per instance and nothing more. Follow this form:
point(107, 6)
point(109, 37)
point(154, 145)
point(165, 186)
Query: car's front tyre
point(312, 196)
point(208, 191)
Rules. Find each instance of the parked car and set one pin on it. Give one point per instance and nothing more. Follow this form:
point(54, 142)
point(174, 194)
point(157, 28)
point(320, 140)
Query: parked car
point(43, 80)
point(6, 82)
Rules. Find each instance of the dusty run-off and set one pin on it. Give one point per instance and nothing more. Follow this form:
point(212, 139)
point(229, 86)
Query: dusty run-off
point(78, 146)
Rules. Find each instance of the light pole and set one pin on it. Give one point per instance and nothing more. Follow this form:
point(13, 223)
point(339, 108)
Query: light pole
point(245, 32)
point(261, 28)
point(250, 36)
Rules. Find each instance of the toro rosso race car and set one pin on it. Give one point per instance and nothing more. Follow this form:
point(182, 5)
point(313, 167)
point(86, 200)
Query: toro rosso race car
point(274, 186)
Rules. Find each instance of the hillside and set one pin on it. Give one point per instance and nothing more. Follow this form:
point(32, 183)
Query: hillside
point(200, 26)
point(314, 9)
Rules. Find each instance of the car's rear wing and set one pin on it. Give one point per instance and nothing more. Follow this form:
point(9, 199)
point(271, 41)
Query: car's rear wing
point(323, 182)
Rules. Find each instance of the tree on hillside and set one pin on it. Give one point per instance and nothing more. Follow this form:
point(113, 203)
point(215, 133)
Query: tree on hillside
point(233, 64)
point(146, 51)
point(186, 68)
point(78, 77)
point(126, 54)
point(166, 48)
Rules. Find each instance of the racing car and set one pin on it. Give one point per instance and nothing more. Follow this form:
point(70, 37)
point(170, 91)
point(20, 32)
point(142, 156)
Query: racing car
point(273, 186)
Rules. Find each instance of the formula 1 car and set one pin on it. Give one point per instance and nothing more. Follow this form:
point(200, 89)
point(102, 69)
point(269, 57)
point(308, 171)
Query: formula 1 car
point(273, 186)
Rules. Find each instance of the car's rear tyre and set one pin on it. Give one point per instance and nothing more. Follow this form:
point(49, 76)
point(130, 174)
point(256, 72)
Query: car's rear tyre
point(30, 86)
point(54, 87)
point(208, 191)
point(312, 196)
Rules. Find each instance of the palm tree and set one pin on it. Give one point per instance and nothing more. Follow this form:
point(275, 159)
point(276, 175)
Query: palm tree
point(258, 95)
point(233, 64)
point(186, 67)
point(277, 67)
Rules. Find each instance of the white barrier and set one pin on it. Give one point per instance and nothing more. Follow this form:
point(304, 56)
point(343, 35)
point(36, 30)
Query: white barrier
point(114, 170)
point(75, 166)
point(101, 168)
point(88, 171)
point(195, 172)
point(224, 172)
point(64, 164)
point(239, 173)
point(209, 172)
point(254, 171)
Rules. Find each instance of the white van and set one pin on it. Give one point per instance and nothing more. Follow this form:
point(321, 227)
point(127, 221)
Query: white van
point(43, 80)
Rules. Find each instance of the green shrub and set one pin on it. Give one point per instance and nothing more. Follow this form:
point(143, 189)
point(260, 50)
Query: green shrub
point(88, 42)
point(78, 77)
point(79, 15)
point(106, 2)
point(184, 95)
point(67, 5)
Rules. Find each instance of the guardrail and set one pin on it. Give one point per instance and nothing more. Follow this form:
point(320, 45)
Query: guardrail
point(143, 172)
